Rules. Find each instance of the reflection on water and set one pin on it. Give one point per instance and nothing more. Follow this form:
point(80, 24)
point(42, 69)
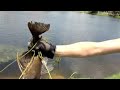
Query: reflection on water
point(66, 27)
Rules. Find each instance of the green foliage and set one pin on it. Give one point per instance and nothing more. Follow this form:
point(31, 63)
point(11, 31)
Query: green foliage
point(114, 76)
point(115, 14)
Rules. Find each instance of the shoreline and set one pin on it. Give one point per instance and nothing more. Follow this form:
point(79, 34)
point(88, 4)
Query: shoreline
point(100, 14)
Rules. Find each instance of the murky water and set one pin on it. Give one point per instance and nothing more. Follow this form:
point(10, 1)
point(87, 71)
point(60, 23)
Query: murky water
point(66, 28)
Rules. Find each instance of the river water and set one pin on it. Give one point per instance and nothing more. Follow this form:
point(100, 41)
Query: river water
point(66, 28)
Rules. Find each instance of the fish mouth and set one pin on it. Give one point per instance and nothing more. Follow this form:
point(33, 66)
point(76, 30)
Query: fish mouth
point(37, 28)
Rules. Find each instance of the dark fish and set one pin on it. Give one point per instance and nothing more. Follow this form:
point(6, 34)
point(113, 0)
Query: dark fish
point(34, 72)
point(37, 29)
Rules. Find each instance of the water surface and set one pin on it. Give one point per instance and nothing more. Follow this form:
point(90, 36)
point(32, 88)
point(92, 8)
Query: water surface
point(66, 28)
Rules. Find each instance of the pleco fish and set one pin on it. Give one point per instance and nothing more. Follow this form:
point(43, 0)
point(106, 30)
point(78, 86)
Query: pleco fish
point(35, 69)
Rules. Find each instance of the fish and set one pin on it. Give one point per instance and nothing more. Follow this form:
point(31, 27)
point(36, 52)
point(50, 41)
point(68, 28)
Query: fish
point(37, 29)
point(34, 71)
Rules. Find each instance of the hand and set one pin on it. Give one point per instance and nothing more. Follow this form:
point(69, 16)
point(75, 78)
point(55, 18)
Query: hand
point(47, 49)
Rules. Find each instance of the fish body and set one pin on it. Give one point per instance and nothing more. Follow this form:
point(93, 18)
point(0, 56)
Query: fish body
point(34, 70)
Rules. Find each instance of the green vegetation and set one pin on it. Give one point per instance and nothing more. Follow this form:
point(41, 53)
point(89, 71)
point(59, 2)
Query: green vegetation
point(115, 14)
point(8, 52)
point(114, 76)
point(102, 13)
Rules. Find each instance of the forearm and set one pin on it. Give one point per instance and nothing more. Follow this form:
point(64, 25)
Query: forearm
point(80, 49)
point(85, 49)
point(109, 46)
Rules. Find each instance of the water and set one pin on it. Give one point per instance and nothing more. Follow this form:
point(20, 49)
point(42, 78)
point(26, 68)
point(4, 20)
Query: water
point(66, 28)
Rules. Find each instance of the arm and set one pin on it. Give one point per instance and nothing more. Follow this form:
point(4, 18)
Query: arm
point(85, 49)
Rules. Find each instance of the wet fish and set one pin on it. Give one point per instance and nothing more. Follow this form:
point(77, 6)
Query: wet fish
point(37, 29)
point(34, 71)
